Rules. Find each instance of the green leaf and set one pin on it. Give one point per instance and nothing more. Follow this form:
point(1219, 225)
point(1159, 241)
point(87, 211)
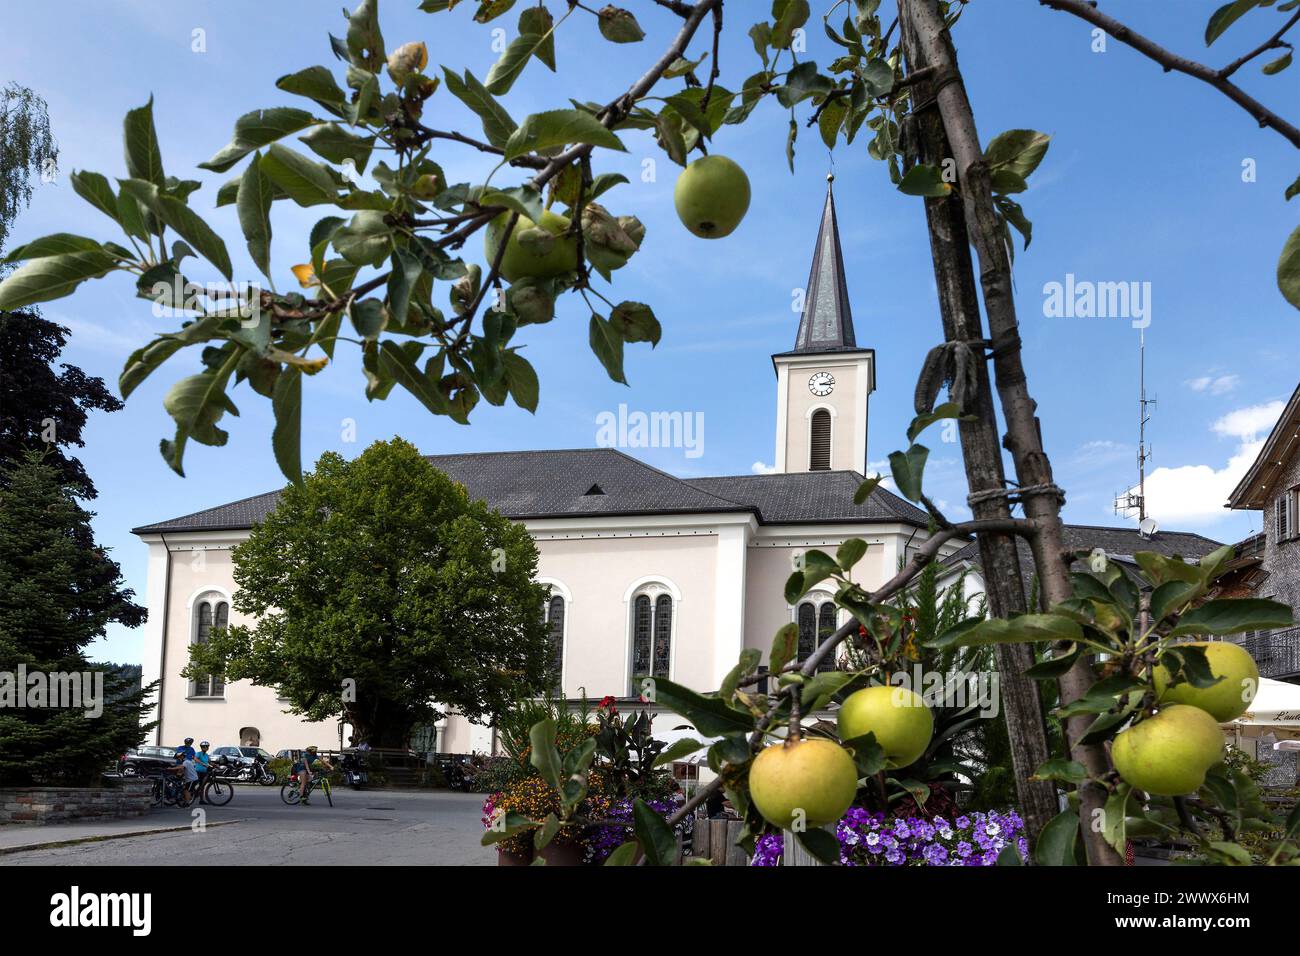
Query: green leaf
point(1058, 768)
point(635, 322)
point(1278, 65)
point(367, 240)
point(921, 422)
point(332, 142)
point(787, 16)
point(544, 757)
point(1017, 151)
point(196, 404)
point(489, 10)
point(506, 70)
point(1234, 615)
point(316, 83)
point(552, 128)
point(497, 124)
point(1293, 190)
point(923, 180)
point(253, 203)
point(143, 157)
point(1226, 16)
point(538, 20)
point(56, 244)
point(784, 647)
point(286, 439)
point(365, 40)
point(1056, 844)
point(1115, 817)
point(1010, 856)
point(1288, 269)
point(748, 664)
point(865, 490)
point(368, 317)
point(550, 826)
point(625, 855)
point(709, 715)
point(619, 26)
point(821, 687)
point(1170, 596)
point(255, 130)
point(304, 181)
point(654, 834)
point(405, 272)
point(521, 379)
point(679, 749)
point(397, 364)
point(850, 553)
point(145, 359)
point(1016, 630)
point(908, 468)
point(195, 231)
point(95, 189)
point(608, 346)
point(53, 277)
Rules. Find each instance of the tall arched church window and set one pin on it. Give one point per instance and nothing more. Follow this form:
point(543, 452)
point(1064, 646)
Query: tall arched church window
point(816, 620)
point(210, 612)
point(555, 630)
point(819, 441)
point(652, 635)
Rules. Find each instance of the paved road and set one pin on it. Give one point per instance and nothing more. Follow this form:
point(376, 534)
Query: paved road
point(368, 827)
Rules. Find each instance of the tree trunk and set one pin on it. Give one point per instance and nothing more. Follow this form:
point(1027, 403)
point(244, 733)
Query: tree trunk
point(959, 308)
point(1033, 468)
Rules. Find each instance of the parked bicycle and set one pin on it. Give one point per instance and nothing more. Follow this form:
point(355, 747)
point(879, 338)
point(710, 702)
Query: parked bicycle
point(170, 790)
point(290, 795)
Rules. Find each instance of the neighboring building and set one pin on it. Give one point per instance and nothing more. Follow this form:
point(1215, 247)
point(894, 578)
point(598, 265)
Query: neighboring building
point(651, 575)
point(1120, 544)
point(1271, 485)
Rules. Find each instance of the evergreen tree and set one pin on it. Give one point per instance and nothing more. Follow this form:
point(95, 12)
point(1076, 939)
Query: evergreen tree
point(58, 592)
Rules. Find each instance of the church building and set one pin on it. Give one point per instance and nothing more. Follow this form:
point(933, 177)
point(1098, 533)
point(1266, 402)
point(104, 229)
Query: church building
point(650, 575)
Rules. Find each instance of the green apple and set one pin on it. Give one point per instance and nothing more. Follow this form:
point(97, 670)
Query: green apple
point(1227, 699)
point(712, 196)
point(1168, 754)
point(897, 716)
point(811, 780)
point(536, 259)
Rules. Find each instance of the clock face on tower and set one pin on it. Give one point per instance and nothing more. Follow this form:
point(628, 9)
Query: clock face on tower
point(821, 384)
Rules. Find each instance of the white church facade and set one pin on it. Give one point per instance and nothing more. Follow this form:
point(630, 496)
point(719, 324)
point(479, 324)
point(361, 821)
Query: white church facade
point(650, 575)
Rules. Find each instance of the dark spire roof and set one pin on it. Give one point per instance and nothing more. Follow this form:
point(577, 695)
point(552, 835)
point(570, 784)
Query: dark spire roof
point(827, 322)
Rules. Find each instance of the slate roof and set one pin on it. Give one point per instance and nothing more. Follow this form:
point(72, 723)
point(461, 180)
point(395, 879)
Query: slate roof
point(560, 484)
point(826, 323)
point(1117, 543)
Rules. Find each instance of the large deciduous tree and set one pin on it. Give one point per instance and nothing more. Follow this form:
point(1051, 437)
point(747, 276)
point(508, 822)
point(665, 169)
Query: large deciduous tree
point(385, 595)
point(58, 592)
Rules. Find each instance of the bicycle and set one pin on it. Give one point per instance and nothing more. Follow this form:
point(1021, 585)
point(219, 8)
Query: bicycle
point(215, 791)
point(289, 791)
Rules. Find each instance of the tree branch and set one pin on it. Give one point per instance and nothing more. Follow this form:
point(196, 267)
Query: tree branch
point(1272, 43)
point(1178, 64)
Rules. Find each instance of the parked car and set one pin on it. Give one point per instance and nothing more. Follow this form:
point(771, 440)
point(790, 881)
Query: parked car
point(241, 755)
point(145, 760)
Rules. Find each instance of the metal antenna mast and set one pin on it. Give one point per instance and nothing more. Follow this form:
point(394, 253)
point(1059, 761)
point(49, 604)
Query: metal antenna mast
point(1129, 502)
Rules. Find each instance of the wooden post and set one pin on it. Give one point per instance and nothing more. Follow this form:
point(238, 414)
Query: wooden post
point(735, 855)
point(700, 845)
point(718, 842)
point(794, 853)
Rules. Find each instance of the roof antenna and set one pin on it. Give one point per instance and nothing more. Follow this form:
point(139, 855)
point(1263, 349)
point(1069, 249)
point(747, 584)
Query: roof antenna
point(1128, 502)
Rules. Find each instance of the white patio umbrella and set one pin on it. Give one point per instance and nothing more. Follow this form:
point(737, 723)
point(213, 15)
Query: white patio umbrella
point(1275, 710)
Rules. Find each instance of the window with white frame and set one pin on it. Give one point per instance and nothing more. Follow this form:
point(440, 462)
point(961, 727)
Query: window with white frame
point(652, 634)
point(210, 611)
point(816, 617)
point(555, 632)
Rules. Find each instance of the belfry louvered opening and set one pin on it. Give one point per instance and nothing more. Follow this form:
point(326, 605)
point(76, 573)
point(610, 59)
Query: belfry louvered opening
point(819, 442)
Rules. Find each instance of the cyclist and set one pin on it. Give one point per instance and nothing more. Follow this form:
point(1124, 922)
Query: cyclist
point(304, 768)
point(202, 764)
point(184, 769)
point(186, 751)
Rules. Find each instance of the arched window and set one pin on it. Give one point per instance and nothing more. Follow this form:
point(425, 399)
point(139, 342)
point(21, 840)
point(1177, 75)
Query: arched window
point(816, 620)
point(819, 441)
point(652, 635)
point(555, 630)
point(210, 611)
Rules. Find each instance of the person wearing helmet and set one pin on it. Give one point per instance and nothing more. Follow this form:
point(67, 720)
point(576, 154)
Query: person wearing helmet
point(187, 749)
point(304, 768)
point(202, 764)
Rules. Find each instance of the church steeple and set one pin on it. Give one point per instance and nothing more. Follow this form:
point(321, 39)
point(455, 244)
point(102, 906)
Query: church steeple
point(823, 384)
point(826, 323)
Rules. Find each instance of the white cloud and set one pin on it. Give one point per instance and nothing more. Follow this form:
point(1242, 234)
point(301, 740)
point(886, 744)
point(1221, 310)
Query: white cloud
point(759, 468)
point(1249, 423)
point(1214, 384)
point(1199, 493)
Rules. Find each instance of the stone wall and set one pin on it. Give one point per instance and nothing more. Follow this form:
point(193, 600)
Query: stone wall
point(43, 805)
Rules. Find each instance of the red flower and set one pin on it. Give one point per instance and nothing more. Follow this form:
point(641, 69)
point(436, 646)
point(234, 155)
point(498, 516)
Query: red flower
point(607, 703)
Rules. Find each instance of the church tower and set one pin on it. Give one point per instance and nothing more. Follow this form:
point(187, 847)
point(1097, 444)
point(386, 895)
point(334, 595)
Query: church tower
point(823, 383)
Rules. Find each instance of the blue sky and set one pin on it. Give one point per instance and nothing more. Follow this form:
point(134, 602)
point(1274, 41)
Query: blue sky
point(1143, 183)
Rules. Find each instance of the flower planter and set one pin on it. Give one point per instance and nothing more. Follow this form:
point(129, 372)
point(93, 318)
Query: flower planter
point(564, 854)
point(515, 857)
